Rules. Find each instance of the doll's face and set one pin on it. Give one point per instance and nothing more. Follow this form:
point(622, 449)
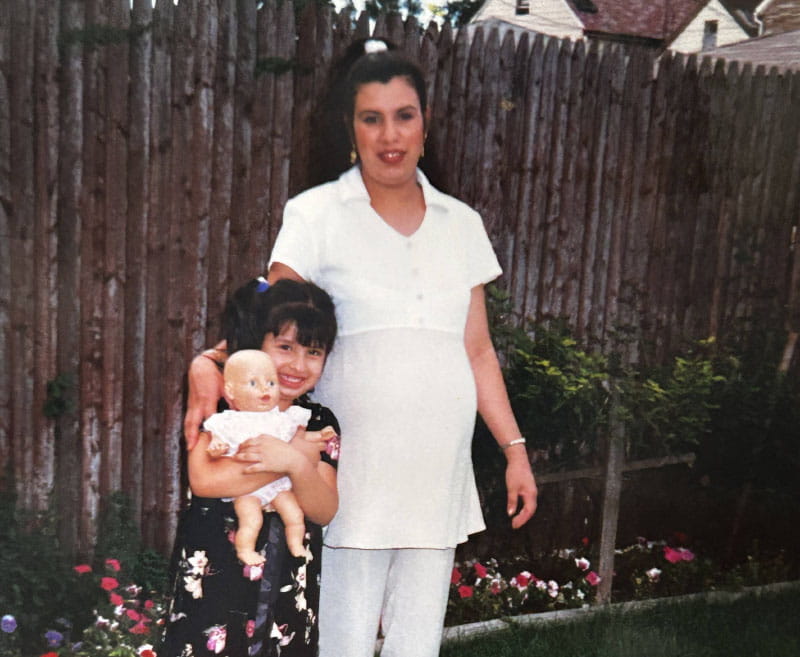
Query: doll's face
point(251, 381)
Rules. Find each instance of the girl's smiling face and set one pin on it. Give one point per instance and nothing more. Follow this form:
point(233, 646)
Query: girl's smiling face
point(299, 367)
point(389, 132)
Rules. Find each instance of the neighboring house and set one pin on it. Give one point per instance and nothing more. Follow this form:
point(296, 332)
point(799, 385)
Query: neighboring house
point(683, 25)
point(777, 16)
point(774, 50)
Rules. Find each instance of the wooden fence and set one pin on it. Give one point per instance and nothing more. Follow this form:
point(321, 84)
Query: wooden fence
point(146, 153)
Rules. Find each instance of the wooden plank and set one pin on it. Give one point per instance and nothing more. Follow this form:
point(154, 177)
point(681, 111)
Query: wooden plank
point(470, 150)
point(456, 110)
point(219, 247)
point(45, 266)
point(282, 123)
point(155, 441)
point(527, 135)
point(138, 188)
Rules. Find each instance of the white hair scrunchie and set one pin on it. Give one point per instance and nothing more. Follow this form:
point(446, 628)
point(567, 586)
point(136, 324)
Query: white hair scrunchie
point(374, 45)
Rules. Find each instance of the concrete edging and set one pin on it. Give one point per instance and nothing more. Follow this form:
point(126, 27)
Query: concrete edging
point(470, 630)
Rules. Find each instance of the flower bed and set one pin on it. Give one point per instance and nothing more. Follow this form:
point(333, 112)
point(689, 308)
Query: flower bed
point(492, 588)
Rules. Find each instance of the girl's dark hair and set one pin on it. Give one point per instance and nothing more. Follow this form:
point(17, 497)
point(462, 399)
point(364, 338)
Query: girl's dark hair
point(332, 142)
point(253, 311)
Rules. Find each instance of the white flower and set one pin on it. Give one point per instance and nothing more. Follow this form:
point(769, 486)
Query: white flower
point(194, 585)
point(552, 588)
point(541, 585)
point(653, 574)
point(566, 553)
point(580, 594)
point(198, 562)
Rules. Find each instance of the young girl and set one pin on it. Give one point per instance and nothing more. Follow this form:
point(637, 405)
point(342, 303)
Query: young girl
point(216, 610)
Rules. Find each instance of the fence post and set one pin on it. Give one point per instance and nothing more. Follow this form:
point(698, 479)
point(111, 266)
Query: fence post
point(612, 490)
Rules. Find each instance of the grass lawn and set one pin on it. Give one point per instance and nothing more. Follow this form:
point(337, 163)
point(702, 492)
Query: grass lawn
point(763, 625)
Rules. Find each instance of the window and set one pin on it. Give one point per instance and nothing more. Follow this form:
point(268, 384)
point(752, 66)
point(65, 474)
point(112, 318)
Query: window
point(710, 35)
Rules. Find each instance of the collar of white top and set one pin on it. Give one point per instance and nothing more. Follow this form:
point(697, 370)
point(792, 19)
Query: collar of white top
point(352, 188)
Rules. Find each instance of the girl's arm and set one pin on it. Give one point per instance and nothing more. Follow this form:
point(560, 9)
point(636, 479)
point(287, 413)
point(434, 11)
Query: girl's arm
point(314, 485)
point(495, 409)
point(221, 477)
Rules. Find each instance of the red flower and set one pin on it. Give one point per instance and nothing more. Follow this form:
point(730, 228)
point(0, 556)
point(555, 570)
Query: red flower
point(140, 628)
point(593, 578)
point(495, 587)
point(83, 569)
point(147, 653)
point(149, 604)
point(108, 583)
point(116, 599)
point(250, 628)
point(524, 578)
point(50, 654)
point(113, 564)
point(133, 614)
point(465, 591)
point(455, 576)
point(480, 569)
point(585, 541)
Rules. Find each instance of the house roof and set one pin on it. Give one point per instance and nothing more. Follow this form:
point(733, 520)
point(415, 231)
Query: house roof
point(640, 18)
point(780, 50)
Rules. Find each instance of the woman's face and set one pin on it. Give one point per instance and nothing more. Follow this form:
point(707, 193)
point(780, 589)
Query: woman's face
point(298, 367)
point(389, 132)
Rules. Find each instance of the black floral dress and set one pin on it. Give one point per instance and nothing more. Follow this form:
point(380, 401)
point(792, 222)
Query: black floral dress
point(220, 608)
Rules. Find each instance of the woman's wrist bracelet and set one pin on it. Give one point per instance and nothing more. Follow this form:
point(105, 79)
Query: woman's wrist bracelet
point(516, 441)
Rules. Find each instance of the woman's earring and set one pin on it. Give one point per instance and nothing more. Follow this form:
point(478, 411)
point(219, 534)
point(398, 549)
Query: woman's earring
point(353, 155)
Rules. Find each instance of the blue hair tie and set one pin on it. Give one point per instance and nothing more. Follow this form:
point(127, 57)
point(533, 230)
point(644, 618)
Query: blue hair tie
point(263, 285)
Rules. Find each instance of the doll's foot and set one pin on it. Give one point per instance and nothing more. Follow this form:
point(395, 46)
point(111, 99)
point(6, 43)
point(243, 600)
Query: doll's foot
point(250, 557)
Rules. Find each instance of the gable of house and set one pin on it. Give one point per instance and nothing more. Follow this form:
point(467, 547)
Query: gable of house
point(712, 27)
point(553, 17)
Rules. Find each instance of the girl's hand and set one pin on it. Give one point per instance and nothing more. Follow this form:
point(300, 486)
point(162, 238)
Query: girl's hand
point(270, 454)
point(205, 390)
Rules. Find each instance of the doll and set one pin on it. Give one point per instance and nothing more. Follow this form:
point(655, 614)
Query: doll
point(251, 387)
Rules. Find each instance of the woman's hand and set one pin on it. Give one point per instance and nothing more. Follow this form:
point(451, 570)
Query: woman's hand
point(520, 485)
point(205, 390)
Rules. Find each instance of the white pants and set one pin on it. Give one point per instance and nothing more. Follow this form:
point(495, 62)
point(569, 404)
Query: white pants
point(402, 591)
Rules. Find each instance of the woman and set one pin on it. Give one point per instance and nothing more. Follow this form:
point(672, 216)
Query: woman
point(405, 265)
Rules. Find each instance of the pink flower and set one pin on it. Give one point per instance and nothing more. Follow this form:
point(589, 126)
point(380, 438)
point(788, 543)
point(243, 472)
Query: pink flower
point(495, 587)
point(674, 555)
point(133, 614)
point(113, 564)
point(582, 563)
point(83, 569)
point(250, 628)
point(593, 578)
point(140, 628)
point(465, 591)
point(115, 599)
point(217, 637)
point(455, 576)
point(480, 570)
point(108, 583)
point(149, 604)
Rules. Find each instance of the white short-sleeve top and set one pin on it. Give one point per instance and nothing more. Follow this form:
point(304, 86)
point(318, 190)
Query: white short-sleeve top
point(398, 378)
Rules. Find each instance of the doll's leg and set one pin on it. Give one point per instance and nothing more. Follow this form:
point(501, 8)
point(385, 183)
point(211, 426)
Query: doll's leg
point(248, 511)
point(286, 505)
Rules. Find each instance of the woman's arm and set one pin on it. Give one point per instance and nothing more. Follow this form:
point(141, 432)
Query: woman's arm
point(314, 485)
point(495, 409)
point(205, 390)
